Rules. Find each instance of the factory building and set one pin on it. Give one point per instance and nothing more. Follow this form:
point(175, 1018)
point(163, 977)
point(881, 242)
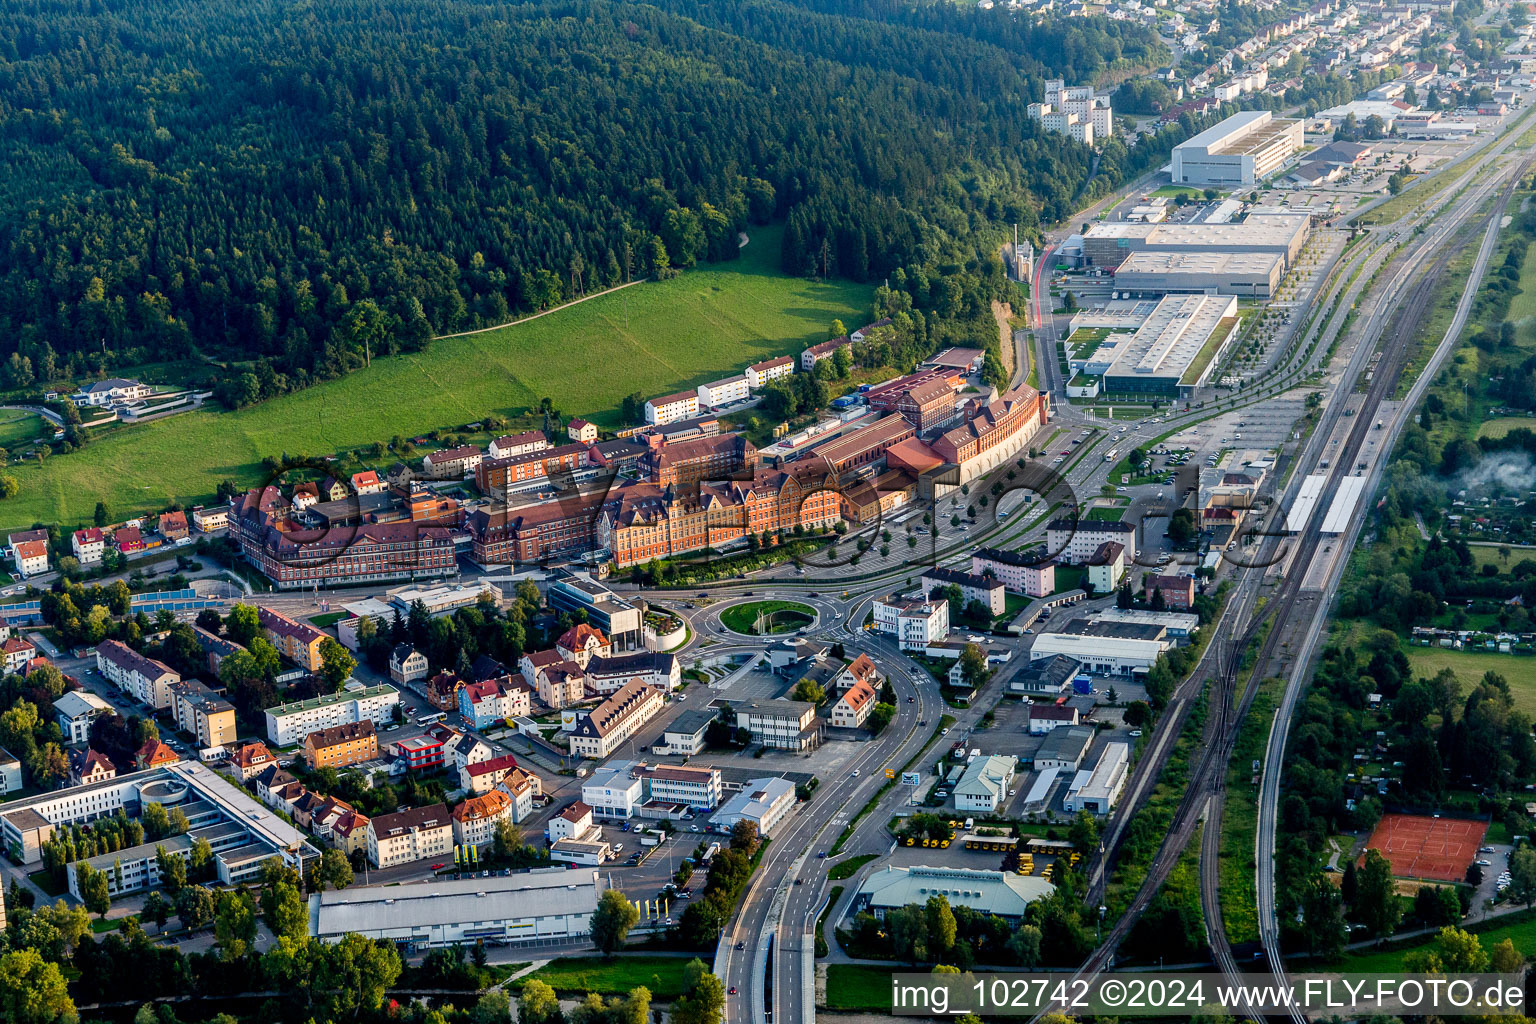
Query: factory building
point(1109, 244)
point(1249, 274)
point(1176, 349)
point(547, 904)
point(1245, 148)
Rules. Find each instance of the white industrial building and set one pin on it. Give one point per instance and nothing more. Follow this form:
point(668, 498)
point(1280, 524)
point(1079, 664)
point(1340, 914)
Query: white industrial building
point(764, 802)
point(1104, 648)
point(1002, 893)
point(984, 785)
point(541, 905)
point(1098, 790)
point(1249, 274)
point(1245, 148)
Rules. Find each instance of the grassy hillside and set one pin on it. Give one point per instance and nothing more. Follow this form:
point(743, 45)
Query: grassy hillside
point(652, 338)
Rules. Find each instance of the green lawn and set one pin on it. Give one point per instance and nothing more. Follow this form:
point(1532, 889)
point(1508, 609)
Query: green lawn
point(1102, 514)
point(578, 975)
point(1069, 577)
point(1522, 933)
point(653, 338)
point(859, 988)
point(1208, 352)
point(1469, 667)
point(17, 428)
point(849, 867)
point(1522, 307)
point(328, 619)
point(742, 617)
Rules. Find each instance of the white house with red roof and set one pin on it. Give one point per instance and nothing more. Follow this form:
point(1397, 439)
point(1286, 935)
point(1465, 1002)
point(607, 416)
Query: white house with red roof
point(18, 655)
point(89, 545)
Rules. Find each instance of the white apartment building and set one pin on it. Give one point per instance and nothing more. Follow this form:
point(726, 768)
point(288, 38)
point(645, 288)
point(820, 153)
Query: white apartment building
point(145, 679)
point(914, 623)
point(521, 788)
point(288, 724)
point(1020, 574)
point(724, 391)
point(519, 444)
point(208, 520)
point(412, 835)
point(759, 374)
point(671, 408)
point(1077, 540)
point(616, 719)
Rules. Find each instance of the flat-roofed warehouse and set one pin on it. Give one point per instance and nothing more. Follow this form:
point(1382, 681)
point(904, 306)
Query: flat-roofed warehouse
point(1245, 148)
point(1108, 244)
point(543, 904)
point(1250, 274)
point(1176, 348)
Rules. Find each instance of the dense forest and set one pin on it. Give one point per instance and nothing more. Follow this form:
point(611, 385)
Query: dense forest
point(309, 185)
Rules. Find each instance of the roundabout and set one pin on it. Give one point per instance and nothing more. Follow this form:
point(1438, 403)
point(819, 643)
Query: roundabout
point(767, 618)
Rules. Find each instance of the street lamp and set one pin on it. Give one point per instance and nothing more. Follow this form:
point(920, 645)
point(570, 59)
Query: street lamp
point(1102, 909)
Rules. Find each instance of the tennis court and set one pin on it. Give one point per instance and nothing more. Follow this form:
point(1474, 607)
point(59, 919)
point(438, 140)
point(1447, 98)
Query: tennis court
point(1434, 848)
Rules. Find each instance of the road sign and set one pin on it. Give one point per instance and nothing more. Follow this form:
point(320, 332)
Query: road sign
point(890, 773)
point(911, 778)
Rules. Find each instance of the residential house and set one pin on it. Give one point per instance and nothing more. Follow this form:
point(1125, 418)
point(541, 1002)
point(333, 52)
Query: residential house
point(297, 641)
point(338, 746)
point(860, 670)
point(367, 482)
point(489, 701)
point(559, 683)
point(615, 720)
point(1032, 576)
point(816, 353)
point(581, 431)
point(173, 526)
point(251, 759)
point(406, 836)
point(581, 643)
point(465, 749)
point(10, 773)
point(145, 679)
point(215, 648)
point(761, 373)
point(484, 776)
point(1044, 718)
point(18, 655)
point(153, 754)
point(76, 711)
point(29, 552)
point(275, 787)
point(575, 822)
point(89, 545)
point(475, 820)
point(128, 539)
point(349, 833)
point(522, 789)
point(520, 444)
point(854, 706)
point(442, 691)
point(112, 391)
point(671, 408)
point(87, 767)
point(407, 664)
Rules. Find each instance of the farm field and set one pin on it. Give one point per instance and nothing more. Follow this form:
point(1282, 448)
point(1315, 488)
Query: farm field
point(1502, 425)
point(1469, 667)
point(652, 338)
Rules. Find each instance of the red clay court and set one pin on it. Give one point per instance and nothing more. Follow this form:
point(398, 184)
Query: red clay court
point(1421, 847)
